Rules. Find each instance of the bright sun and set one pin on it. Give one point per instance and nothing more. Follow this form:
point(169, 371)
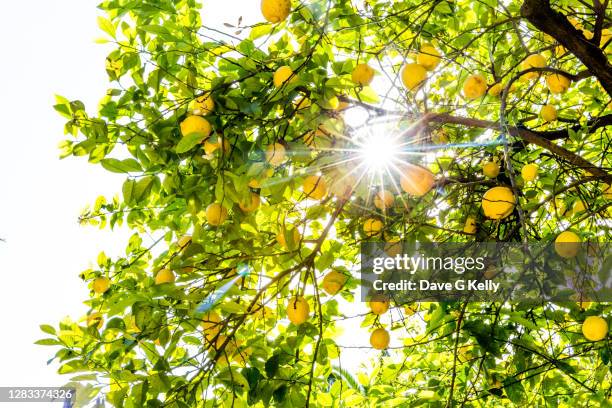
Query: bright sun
point(378, 151)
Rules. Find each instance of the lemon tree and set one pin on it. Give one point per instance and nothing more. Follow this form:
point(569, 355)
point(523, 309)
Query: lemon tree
point(257, 160)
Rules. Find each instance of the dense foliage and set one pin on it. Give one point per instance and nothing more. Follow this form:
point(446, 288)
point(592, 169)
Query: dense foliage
point(263, 191)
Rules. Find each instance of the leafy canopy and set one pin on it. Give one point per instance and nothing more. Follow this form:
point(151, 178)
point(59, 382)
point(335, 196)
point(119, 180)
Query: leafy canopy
point(202, 320)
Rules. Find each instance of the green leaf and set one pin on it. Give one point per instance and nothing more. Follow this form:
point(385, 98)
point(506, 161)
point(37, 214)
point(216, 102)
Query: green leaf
point(272, 365)
point(48, 342)
point(106, 26)
point(189, 141)
point(47, 329)
point(121, 166)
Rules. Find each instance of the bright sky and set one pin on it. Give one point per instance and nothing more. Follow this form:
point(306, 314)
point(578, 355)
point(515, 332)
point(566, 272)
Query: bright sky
point(48, 49)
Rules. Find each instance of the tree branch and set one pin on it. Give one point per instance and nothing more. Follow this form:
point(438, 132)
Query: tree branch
point(527, 135)
point(542, 16)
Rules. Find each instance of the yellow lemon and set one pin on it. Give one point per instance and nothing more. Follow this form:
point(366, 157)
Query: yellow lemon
point(498, 203)
point(275, 11)
point(298, 310)
point(275, 154)
point(567, 244)
point(164, 276)
point(379, 305)
point(470, 225)
point(211, 324)
point(548, 113)
point(474, 86)
point(413, 75)
point(362, 74)
point(595, 328)
point(529, 172)
point(533, 61)
point(372, 227)
point(211, 147)
point(216, 214)
point(416, 180)
point(496, 89)
point(283, 75)
point(280, 238)
point(195, 124)
point(252, 205)
point(314, 187)
point(379, 339)
point(101, 284)
point(202, 105)
point(578, 207)
point(383, 199)
point(428, 57)
point(333, 282)
point(557, 83)
point(490, 169)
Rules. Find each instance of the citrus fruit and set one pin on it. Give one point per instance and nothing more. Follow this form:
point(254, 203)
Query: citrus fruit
point(496, 89)
point(567, 244)
point(474, 86)
point(372, 227)
point(557, 83)
point(211, 324)
point(413, 75)
point(498, 203)
point(529, 172)
point(275, 11)
point(470, 225)
point(362, 74)
point(314, 187)
point(379, 305)
point(298, 310)
point(416, 180)
point(595, 328)
point(490, 169)
point(428, 57)
point(383, 199)
point(195, 124)
point(333, 282)
point(379, 339)
point(216, 214)
point(533, 61)
point(101, 284)
point(252, 204)
point(275, 154)
point(548, 113)
point(202, 105)
point(164, 276)
point(283, 75)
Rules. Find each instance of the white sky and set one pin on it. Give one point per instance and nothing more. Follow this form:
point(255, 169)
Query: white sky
point(48, 49)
